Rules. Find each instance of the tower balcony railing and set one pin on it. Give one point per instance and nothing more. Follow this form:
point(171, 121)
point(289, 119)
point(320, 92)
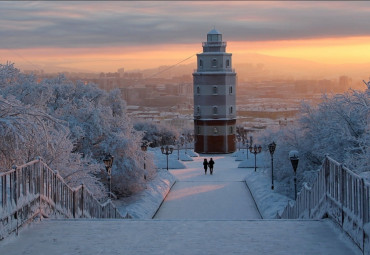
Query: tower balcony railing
point(214, 44)
point(222, 70)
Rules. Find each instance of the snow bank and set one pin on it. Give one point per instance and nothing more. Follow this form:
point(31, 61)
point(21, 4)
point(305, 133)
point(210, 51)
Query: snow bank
point(191, 153)
point(185, 157)
point(246, 164)
point(367, 238)
point(236, 153)
point(240, 156)
point(145, 204)
point(268, 201)
point(160, 160)
point(172, 164)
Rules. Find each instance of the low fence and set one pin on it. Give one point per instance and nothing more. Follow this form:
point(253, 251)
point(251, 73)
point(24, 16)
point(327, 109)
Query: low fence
point(34, 190)
point(339, 194)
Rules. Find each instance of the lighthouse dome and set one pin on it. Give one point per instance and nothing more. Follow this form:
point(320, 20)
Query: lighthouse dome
point(214, 32)
point(214, 36)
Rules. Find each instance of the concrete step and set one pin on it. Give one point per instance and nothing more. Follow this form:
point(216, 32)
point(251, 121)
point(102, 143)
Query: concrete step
point(180, 237)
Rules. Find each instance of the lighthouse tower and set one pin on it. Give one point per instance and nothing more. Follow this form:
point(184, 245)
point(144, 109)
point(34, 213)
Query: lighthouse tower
point(214, 98)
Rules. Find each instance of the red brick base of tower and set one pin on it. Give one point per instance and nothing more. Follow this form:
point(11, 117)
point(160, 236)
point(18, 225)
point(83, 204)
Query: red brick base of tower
point(215, 143)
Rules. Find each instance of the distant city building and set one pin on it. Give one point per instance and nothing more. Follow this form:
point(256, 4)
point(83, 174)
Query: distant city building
point(214, 84)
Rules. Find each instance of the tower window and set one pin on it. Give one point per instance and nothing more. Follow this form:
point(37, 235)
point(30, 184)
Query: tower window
point(198, 90)
point(214, 62)
point(215, 90)
point(198, 110)
point(231, 130)
point(200, 63)
point(227, 62)
point(230, 89)
point(231, 110)
point(198, 130)
point(215, 110)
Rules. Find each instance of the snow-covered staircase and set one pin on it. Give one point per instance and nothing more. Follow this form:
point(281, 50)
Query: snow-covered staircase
point(217, 237)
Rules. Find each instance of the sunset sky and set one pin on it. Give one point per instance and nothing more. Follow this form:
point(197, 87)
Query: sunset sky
point(104, 36)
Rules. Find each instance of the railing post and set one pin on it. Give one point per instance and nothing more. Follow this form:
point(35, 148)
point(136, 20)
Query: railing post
point(16, 193)
point(363, 202)
point(3, 186)
point(82, 200)
point(309, 204)
point(74, 203)
point(41, 186)
point(327, 174)
point(342, 172)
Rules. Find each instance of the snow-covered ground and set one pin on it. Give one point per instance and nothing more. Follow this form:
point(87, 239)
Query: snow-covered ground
point(259, 182)
point(145, 204)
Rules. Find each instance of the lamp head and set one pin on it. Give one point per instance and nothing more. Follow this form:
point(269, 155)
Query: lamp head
point(259, 148)
point(294, 159)
point(108, 161)
point(272, 147)
point(144, 147)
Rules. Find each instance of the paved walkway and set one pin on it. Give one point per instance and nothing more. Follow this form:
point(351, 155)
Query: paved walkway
point(221, 196)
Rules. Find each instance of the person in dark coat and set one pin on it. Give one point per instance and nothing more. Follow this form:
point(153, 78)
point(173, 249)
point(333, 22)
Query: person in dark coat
point(205, 165)
point(210, 164)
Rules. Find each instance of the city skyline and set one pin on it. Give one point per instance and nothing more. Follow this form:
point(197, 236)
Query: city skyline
point(105, 36)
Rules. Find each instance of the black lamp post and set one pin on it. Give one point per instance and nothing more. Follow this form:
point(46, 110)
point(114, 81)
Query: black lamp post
point(272, 147)
point(108, 162)
point(245, 144)
point(294, 159)
point(167, 151)
point(178, 150)
point(144, 148)
point(183, 142)
point(255, 150)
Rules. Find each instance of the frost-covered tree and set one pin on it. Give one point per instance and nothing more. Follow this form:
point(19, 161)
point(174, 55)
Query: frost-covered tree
point(157, 134)
point(96, 121)
point(27, 133)
point(338, 126)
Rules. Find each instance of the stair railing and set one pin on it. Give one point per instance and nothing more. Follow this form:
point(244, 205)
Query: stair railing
point(337, 193)
point(33, 190)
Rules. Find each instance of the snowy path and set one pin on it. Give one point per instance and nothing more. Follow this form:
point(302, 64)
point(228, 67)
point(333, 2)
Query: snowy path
point(273, 237)
point(221, 196)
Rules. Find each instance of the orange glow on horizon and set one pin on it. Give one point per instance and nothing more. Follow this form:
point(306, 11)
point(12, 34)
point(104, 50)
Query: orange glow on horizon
point(109, 59)
point(326, 50)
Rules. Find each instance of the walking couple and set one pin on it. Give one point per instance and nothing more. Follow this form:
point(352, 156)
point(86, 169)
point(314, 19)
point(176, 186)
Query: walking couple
point(209, 164)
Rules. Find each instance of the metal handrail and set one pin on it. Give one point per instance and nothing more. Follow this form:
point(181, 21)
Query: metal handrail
point(34, 190)
point(339, 193)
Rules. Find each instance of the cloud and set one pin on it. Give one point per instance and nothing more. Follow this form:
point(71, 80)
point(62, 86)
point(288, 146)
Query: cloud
point(133, 23)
